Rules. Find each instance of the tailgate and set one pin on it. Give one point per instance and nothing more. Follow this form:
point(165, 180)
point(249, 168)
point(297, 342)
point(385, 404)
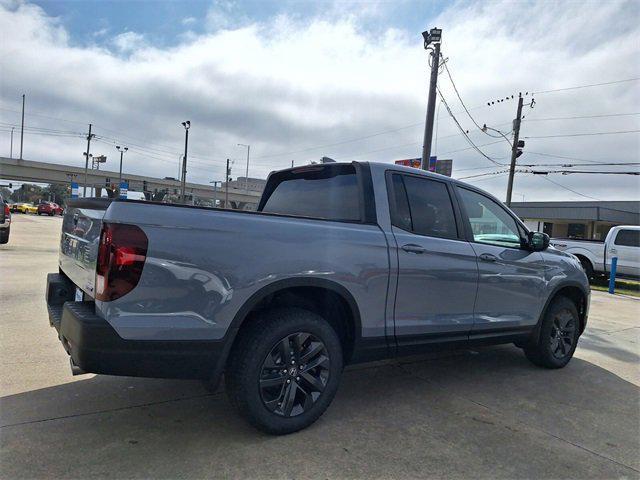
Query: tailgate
point(81, 229)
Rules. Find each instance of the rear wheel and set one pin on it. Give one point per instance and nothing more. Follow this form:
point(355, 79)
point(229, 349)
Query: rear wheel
point(4, 235)
point(558, 335)
point(284, 370)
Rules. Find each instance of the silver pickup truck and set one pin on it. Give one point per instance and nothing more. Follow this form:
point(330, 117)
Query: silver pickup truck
point(342, 263)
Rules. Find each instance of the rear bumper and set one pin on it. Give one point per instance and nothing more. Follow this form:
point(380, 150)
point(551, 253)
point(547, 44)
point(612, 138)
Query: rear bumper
point(95, 347)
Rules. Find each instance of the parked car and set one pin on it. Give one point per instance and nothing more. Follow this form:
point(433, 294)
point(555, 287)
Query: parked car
point(26, 208)
point(342, 263)
point(49, 208)
point(595, 256)
point(5, 221)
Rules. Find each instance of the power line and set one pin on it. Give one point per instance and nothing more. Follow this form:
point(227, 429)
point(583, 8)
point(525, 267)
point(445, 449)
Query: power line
point(585, 86)
point(569, 189)
point(465, 134)
point(566, 165)
point(567, 172)
point(446, 67)
point(581, 116)
point(585, 134)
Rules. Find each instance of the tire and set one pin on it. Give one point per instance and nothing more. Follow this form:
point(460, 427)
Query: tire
point(552, 351)
point(4, 235)
point(586, 266)
point(267, 389)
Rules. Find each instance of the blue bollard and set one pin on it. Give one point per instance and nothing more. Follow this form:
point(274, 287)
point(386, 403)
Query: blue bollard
point(612, 275)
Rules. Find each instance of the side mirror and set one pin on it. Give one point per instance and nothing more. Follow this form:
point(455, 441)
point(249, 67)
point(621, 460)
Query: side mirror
point(538, 241)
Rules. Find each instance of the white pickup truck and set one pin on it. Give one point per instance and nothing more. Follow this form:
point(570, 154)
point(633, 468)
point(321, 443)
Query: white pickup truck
point(595, 256)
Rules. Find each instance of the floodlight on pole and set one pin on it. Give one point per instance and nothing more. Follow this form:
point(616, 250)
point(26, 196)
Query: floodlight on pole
point(433, 36)
point(121, 150)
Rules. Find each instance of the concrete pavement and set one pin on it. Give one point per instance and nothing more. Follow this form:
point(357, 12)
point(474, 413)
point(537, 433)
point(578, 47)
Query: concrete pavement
point(484, 413)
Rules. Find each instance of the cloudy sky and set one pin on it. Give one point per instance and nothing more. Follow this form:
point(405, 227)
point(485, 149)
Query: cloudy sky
point(299, 80)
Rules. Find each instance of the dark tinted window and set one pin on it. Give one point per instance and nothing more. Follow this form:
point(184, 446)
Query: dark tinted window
point(430, 207)
point(401, 216)
point(628, 238)
point(323, 192)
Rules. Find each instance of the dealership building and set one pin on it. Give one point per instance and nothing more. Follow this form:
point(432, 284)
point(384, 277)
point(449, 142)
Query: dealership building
point(587, 220)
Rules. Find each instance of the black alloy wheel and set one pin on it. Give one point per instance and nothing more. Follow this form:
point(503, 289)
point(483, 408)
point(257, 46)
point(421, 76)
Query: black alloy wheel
point(294, 374)
point(558, 337)
point(562, 335)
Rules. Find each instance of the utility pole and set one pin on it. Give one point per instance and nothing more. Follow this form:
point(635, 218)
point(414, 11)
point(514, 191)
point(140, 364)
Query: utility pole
point(226, 188)
point(186, 126)
point(11, 150)
point(291, 163)
point(432, 36)
point(514, 149)
point(86, 162)
point(22, 128)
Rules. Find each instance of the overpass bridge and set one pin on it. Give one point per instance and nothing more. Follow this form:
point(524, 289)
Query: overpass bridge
point(43, 172)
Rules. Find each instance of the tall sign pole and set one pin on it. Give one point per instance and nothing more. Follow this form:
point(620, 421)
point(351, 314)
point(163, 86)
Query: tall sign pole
point(433, 36)
point(514, 149)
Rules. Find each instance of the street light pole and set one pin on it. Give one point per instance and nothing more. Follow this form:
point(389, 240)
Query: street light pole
point(246, 178)
point(22, 127)
point(11, 150)
point(226, 190)
point(432, 36)
point(186, 126)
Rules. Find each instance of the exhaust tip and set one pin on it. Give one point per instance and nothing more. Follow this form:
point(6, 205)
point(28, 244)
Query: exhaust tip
point(75, 369)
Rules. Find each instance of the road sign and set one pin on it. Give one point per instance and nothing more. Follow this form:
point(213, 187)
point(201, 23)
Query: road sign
point(124, 188)
point(74, 190)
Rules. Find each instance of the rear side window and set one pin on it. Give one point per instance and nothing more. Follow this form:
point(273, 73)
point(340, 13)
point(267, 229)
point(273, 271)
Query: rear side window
point(628, 238)
point(423, 206)
point(325, 192)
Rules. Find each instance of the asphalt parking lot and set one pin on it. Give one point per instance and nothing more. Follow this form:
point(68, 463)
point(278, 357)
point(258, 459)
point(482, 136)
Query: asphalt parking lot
point(469, 414)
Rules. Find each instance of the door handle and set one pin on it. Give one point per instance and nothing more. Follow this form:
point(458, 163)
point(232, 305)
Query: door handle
point(413, 248)
point(488, 257)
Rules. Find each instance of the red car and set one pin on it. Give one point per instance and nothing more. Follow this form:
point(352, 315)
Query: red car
point(49, 208)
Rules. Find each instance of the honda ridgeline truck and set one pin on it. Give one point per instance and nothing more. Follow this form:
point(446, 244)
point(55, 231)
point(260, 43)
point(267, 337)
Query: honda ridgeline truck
point(342, 263)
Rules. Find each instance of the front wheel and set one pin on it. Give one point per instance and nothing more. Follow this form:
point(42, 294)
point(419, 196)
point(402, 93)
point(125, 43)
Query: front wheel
point(284, 370)
point(558, 335)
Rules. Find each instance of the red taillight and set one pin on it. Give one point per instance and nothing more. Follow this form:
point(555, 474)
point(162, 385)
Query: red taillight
point(122, 252)
point(6, 210)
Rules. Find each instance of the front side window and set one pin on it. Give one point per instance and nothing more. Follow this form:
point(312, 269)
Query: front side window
point(490, 223)
point(628, 238)
point(318, 192)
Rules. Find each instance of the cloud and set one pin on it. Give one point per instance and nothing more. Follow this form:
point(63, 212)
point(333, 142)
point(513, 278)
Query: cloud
point(287, 84)
point(187, 21)
point(128, 42)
